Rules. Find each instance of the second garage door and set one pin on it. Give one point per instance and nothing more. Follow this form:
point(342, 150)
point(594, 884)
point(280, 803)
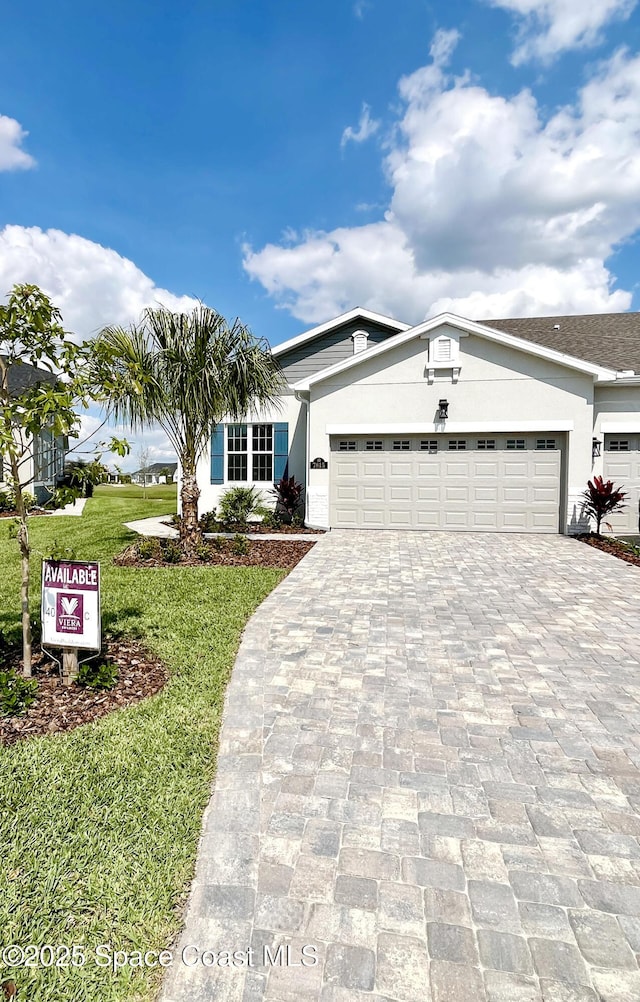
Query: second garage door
point(507, 483)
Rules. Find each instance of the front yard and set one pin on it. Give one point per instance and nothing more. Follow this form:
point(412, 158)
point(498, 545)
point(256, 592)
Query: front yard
point(99, 826)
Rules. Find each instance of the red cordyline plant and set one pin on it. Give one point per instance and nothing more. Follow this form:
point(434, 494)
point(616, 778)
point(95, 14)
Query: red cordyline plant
point(602, 498)
point(288, 495)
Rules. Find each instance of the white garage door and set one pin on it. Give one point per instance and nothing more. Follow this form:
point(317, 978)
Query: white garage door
point(622, 465)
point(500, 483)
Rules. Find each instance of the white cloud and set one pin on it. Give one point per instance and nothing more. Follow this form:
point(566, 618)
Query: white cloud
point(12, 135)
point(91, 285)
point(359, 8)
point(549, 27)
point(367, 127)
point(494, 210)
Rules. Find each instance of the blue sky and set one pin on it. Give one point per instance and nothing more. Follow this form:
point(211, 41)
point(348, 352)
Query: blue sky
point(286, 161)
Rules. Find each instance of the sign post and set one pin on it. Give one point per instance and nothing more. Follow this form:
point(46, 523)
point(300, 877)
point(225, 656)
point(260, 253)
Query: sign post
point(71, 610)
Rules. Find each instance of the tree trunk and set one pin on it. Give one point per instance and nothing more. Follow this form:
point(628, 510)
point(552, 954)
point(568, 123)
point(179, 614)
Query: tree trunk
point(25, 552)
point(190, 535)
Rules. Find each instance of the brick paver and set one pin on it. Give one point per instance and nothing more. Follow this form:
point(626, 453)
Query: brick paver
point(429, 772)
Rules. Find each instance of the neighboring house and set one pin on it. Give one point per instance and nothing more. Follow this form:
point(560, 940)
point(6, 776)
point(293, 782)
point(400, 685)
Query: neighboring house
point(448, 424)
point(157, 473)
point(45, 463)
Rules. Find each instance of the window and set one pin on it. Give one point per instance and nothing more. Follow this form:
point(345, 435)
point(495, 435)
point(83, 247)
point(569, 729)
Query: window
point(401, 445)
point(249, 452)
point(429, 445)
point(618, 445)
point(457, 444)
point(44, 456)
point(515, 443)
point(545, 443)
point(486, 443)
point(373, 445)
point(346, 445)
point(262, 446)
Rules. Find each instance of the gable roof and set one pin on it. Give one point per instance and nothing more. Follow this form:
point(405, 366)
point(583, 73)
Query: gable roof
point(344, 318)
point(21, 377)
point(606, 339)
point(468, 327)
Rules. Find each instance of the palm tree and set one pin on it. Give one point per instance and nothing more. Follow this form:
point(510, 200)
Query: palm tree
point(185, 372)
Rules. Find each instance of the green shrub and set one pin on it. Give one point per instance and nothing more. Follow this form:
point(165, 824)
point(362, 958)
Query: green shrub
point(171, 551)
point(97, 675)
point(202, 551)
point(5, 501)
point(217, 544)
point(209, 521)
point(237, 504)
point(297, 522)
point(271, 519)
point(240, 545)
point(148, 548)
point(16, 693)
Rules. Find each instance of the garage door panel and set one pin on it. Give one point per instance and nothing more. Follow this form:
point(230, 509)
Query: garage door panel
point(485, 494)
point(435, 491)
point(371, 493)
point(624, 469)
point(456, 493)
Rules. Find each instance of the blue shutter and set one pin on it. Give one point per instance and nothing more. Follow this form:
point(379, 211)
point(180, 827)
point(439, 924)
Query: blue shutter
point(280, 449)
point(217, 454)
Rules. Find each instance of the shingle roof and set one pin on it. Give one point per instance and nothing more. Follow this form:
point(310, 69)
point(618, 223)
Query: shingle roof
point(608, 339)
point(22, 376)
point(157, 468)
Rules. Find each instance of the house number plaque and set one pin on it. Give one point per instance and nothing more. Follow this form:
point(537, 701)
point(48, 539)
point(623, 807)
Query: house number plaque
point(319, 464)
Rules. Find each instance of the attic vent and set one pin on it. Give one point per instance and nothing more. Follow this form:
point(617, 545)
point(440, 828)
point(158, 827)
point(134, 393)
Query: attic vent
point(556, 327)
point(360, 341)
point(443, 350)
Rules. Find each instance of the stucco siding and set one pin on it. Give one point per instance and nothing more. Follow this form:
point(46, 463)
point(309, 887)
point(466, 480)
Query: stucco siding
point(293, 413)
point(497, 384)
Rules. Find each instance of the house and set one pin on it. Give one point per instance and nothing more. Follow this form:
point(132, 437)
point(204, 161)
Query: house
point(447, 424)
point(157, 473)
point(45, 456)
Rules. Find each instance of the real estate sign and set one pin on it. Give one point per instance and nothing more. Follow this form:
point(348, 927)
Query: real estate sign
point(71, 604)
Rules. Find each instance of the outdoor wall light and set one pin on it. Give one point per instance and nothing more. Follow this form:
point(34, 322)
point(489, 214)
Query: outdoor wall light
point(443, 410)
point(595, 447)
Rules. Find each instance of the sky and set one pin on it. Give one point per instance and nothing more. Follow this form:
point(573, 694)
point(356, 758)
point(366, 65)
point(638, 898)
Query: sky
point(286, 162)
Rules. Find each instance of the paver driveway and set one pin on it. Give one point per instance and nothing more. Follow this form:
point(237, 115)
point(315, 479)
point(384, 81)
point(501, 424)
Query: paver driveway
point(430, 771)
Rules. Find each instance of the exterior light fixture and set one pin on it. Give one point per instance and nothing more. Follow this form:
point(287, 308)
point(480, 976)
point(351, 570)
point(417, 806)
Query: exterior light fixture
point(443, 410)
point(595, 447)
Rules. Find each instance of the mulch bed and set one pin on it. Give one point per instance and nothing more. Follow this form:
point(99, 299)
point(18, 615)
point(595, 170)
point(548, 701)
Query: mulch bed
point(257, 528)
point(616, 547)
point(278, 553)
point(61, 708)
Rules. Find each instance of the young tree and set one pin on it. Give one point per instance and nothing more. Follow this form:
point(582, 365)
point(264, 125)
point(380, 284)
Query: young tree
point(143, 461)
point(601, 498)
point(185, 372)
point(60, 380)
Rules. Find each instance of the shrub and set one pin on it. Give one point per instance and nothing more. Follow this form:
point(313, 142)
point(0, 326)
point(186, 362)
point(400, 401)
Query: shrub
point(217, 544)
point(8, 499)
point(208, 521)
point(148, 548)
point(5, 501)
point(16, 693)
point(238, 503)
point(602, 498)
point(202, 551)
point(97, 675)
point(272, 519)
point(240, 545)
point(171, 551)
point(288, 494)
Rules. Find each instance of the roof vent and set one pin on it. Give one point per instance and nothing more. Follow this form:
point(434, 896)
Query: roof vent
point(556, 327)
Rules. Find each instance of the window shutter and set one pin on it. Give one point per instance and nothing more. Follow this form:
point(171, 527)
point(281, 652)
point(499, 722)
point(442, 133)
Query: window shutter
point(217, 454)
point(280, 449)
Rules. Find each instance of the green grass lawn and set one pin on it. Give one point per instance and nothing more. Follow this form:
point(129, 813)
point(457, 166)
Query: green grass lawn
point(99, 826)
point(156, 492)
